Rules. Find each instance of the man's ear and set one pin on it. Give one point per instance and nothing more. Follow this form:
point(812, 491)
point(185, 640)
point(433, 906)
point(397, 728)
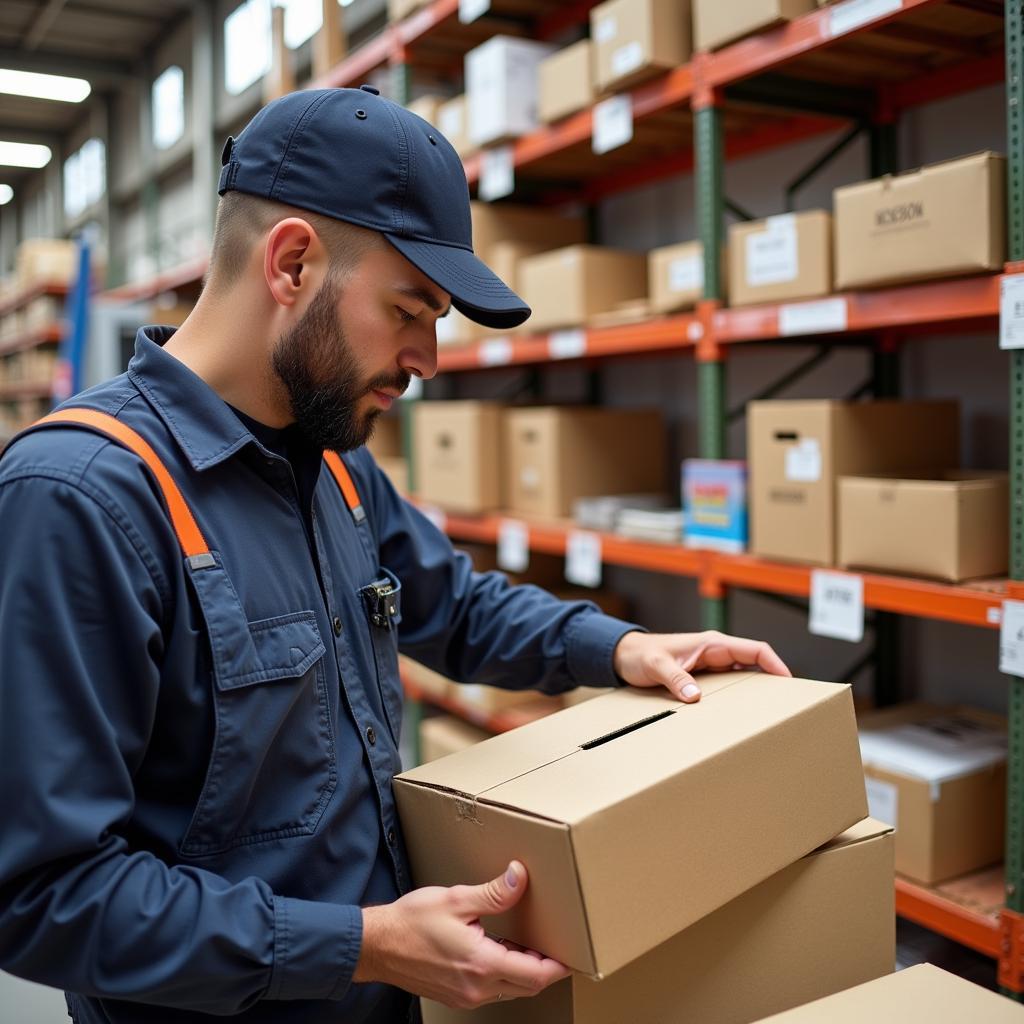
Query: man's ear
point(295, 260)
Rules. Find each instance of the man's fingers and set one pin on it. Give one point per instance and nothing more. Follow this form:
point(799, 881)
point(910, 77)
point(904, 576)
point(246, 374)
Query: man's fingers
point(528, 970)
point(661, 667)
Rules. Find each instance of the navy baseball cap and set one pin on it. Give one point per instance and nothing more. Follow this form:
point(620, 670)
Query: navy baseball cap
point(352, 155)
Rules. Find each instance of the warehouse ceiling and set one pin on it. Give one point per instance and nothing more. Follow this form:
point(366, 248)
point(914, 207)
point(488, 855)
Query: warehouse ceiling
point(98, 40)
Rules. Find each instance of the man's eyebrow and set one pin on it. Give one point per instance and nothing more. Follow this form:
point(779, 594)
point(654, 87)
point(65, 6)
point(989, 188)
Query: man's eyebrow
point(427, 298)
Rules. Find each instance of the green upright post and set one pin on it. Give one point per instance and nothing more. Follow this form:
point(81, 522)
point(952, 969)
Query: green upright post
point(710, 202)
point(1015, 209)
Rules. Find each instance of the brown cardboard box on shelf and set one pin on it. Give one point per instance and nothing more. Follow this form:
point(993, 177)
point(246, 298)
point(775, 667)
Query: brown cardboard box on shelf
point(567, 286)
point(506, 222)
point(442, 735)
point(556, 454)
point(955, 527)
point(773, 763)
point(387, 437)
point(396, 469)
point(716, 23)
point(566, 82)
point(938, 221)
point(780, 258)
point(939, 776)
point(46, 261)
point(429, 108)
point(45, 311)
point(505, 259)
point(816, 927)
point(637, 39)
point(675, 274)
point(453, 124)
point(458, 454)
point(919, 993)
point(797, 450)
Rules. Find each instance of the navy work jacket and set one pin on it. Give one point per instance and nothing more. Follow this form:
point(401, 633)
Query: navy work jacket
point(185, 830)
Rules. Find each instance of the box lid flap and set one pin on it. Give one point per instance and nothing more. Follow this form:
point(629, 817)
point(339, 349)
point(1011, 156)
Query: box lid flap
point(869, 828)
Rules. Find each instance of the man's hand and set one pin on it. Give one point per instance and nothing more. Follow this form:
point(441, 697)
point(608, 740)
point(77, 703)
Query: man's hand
point(431, 943)
point(668, 659)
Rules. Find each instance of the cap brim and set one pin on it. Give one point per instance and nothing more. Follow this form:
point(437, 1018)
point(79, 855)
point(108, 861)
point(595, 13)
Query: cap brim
point(476, 291)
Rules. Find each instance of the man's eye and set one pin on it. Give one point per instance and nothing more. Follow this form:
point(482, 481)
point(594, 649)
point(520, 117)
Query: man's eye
point(405, 314)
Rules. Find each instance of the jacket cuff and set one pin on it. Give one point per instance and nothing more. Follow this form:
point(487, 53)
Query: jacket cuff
point(316, 949)
point(590, 646)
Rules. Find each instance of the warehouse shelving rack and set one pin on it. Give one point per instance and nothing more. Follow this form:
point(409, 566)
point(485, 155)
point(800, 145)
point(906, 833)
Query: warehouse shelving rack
point(722, 105)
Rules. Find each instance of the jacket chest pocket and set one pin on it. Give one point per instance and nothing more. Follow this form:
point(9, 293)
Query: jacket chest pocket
point(382, 602)
point(272, 767)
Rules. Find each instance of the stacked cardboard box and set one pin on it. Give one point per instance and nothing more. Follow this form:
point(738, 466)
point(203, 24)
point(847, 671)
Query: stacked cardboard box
point(387, 450)
point(716, 23)
point(445, 734)
point(566, 82)
point(636, 39)
point(45, 261)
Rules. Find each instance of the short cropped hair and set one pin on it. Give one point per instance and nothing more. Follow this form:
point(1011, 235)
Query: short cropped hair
point(244, 220)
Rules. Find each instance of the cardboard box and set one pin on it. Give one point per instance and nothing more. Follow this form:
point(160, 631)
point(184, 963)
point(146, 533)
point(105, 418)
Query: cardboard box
point(396, 469)
point(954, 528)
point(506, 259)
point(675, 274)
point(554, 455)
point(637, 39)
point(46, 260)
point(565, 82)
point(715, 505)
point(442, 735)
point(939, 221)
point(919, 993)
point(567, 286)
point(796, 451)
point(716, 23)
point(495, 223)
point(816, 927)
point(456, 329)
point(501, 88)
point(771, 763)
point(429, 108)
point(458, 455)
point(781, 258)
point(386, 439)
point(939, 776)
point(453, 124)
point(399, 9)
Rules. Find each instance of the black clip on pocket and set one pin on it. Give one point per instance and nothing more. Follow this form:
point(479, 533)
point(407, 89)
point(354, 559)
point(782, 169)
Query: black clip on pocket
point(379, 597)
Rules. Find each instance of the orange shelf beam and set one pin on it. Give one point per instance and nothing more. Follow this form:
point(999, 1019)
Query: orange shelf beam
point(185, 275)
point(928, 908)
point(23, 298)
point(40, 336)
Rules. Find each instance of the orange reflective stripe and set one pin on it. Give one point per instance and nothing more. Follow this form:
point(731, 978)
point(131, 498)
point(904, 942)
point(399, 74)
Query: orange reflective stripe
point(344, 480)
point(189, 535)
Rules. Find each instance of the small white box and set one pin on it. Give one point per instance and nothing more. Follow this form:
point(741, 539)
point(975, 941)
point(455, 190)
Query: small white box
point(502, 88)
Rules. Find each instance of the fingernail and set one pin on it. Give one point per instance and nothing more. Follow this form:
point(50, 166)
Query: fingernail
point(511, 877)
point(691, 690)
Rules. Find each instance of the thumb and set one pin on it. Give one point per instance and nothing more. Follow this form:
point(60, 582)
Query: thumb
point(499, 894)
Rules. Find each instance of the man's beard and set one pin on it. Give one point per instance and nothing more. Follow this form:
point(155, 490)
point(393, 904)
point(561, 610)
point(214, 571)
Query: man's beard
point(319, 371)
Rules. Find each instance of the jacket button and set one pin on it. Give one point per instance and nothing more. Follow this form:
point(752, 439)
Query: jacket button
point(371, 735)
point(392, 838)
point(336, 625)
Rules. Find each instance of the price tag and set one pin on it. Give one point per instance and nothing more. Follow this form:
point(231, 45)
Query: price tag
point(837, 605)
point(583, 558)
point(567, 344)
point(495, 351)
point(1011, 639)
point(613, 123)
point(436, 516)
point(813, 317)
point(513, 545)
point(845, 17)
point(1011, 311)
point(497, 173)
point(470, 10)
point(803, 461)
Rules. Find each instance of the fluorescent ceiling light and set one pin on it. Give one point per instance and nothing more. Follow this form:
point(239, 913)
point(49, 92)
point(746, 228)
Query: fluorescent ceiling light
point(24, 154)
point(7, 194)
point(44, 87)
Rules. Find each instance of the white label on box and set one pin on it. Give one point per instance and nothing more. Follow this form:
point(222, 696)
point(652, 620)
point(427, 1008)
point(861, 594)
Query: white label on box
point(583, 558)
point(470, 10)
point(607, 29)
point(803, 461)
point(837, 605)
point(567, 344)
point(529, 478)
point(613, 123)
point(436, 516)
point(812, 317)
point(772, 254)
point(1011, 639)
point(513, 545)
point(1011, 311)
point(883, 800)
point(686, 274)
point(845, 17)
point(627, 58)
point(495, 351)
point(497, 173)
point(994, 616)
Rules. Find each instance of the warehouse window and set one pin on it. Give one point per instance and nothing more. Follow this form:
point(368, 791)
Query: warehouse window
point(168, 107)
point(246, 45)
point(85, 177)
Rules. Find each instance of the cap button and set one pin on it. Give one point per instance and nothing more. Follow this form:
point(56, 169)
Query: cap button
point(370, 89)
